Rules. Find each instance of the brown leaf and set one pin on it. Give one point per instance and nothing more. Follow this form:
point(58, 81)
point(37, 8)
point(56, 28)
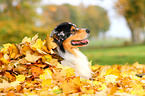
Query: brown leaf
point(36, 71)
point(54, 62)
point(11, 93)
point(9, 76)
point(50, 44)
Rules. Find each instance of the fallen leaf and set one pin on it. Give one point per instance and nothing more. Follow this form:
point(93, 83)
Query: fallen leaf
point(33, 68)
point(54, 62)
point(20, 78)
point(46, 58)
point(110, 78)
point(34, 38)
point(10, 49)
point(32, 57)
point(24, 49)
point(36, 71)
point(46, 82)
point(26, 39)
point(67, 72)
point(9, 76)
point(50, 44)
point(46, 75)
point(11, 93)
point(71, 86)
point(39, 46)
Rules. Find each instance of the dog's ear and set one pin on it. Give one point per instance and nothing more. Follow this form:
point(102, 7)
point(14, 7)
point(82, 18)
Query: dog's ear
point(58, 37)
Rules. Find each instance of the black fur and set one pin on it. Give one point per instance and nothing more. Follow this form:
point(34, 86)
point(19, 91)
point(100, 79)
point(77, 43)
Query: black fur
point(60, 33)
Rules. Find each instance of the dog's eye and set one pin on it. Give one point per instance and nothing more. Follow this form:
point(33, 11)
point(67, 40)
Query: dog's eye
point(73, 30)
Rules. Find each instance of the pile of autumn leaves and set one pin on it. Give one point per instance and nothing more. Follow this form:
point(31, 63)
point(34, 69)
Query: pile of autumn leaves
point(33, 68)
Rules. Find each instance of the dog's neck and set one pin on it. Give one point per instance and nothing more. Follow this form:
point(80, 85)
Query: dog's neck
point(78, 61)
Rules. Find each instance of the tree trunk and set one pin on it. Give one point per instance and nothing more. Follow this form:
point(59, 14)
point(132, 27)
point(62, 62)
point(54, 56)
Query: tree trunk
point(136, 36)
point(135, 33)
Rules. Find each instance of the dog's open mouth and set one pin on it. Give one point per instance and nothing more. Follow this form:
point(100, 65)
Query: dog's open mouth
point(80, 42)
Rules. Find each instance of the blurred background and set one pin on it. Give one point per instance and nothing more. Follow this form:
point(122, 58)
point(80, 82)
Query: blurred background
point(117, 26)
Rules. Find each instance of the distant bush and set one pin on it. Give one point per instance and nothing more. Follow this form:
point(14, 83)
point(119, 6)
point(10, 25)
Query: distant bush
point(11, 31)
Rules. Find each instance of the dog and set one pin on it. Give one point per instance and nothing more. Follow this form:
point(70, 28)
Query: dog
point(68, 38)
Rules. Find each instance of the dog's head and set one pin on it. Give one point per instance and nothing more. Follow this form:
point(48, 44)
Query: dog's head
point(68, 35)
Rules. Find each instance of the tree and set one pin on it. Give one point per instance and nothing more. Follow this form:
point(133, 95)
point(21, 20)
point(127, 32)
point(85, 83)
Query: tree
point(96, 19)
point(53, 15)
point(22, 11)
point(17, 20)
point(133, 11)
point(76, 14)
point(92, 17)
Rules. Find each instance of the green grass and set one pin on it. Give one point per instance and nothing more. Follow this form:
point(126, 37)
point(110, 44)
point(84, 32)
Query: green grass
point(118, 55)
point(108, 43)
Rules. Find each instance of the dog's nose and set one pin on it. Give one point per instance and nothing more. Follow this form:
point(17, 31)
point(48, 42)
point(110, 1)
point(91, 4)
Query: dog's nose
point(88, 30)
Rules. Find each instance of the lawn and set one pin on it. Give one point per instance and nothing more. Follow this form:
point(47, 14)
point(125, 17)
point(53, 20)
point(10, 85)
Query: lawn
point(118, 55)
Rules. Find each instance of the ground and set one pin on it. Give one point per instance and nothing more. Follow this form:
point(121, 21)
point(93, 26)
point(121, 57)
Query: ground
point(117, 55)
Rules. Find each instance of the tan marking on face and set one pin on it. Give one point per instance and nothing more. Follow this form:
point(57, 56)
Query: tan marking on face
point(72, 27)
point(79, 35)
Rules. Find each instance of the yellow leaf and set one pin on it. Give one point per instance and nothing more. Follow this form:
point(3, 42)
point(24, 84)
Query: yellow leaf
point(6, 57)
point(15, 83)
point(46, 75)
point(70, 72)
point(50, 44)
point(67, 71)
point(103, 87)
point(34, 38)
point(31, 94)
point(5, 84)
point(46, 82)
point(26, 39)
point(24, 49)
point(138, 92)
point(13, 51)
point(4, 61)
point(10, 49)
point(54, 62)
point(96, 67)
point(20, 78)
point(39, 46)
point(113, 90)
point(6, 46)
point(90, 63)
point(56, 90)
point(103, 70)
point(110, 78)
point(59, 66)
point(111, 71)
point(46, 58)
point(90, 91)
point(71, 86)
point(121, 91)
point(96, 83)
point(32, 57)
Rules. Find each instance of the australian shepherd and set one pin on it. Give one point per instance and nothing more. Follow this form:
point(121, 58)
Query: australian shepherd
point(68, 38)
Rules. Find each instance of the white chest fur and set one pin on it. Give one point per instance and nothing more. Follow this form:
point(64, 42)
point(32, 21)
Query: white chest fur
point(79, 63)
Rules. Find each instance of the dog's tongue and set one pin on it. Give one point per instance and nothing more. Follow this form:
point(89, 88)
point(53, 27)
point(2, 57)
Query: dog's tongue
point(80, 42)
